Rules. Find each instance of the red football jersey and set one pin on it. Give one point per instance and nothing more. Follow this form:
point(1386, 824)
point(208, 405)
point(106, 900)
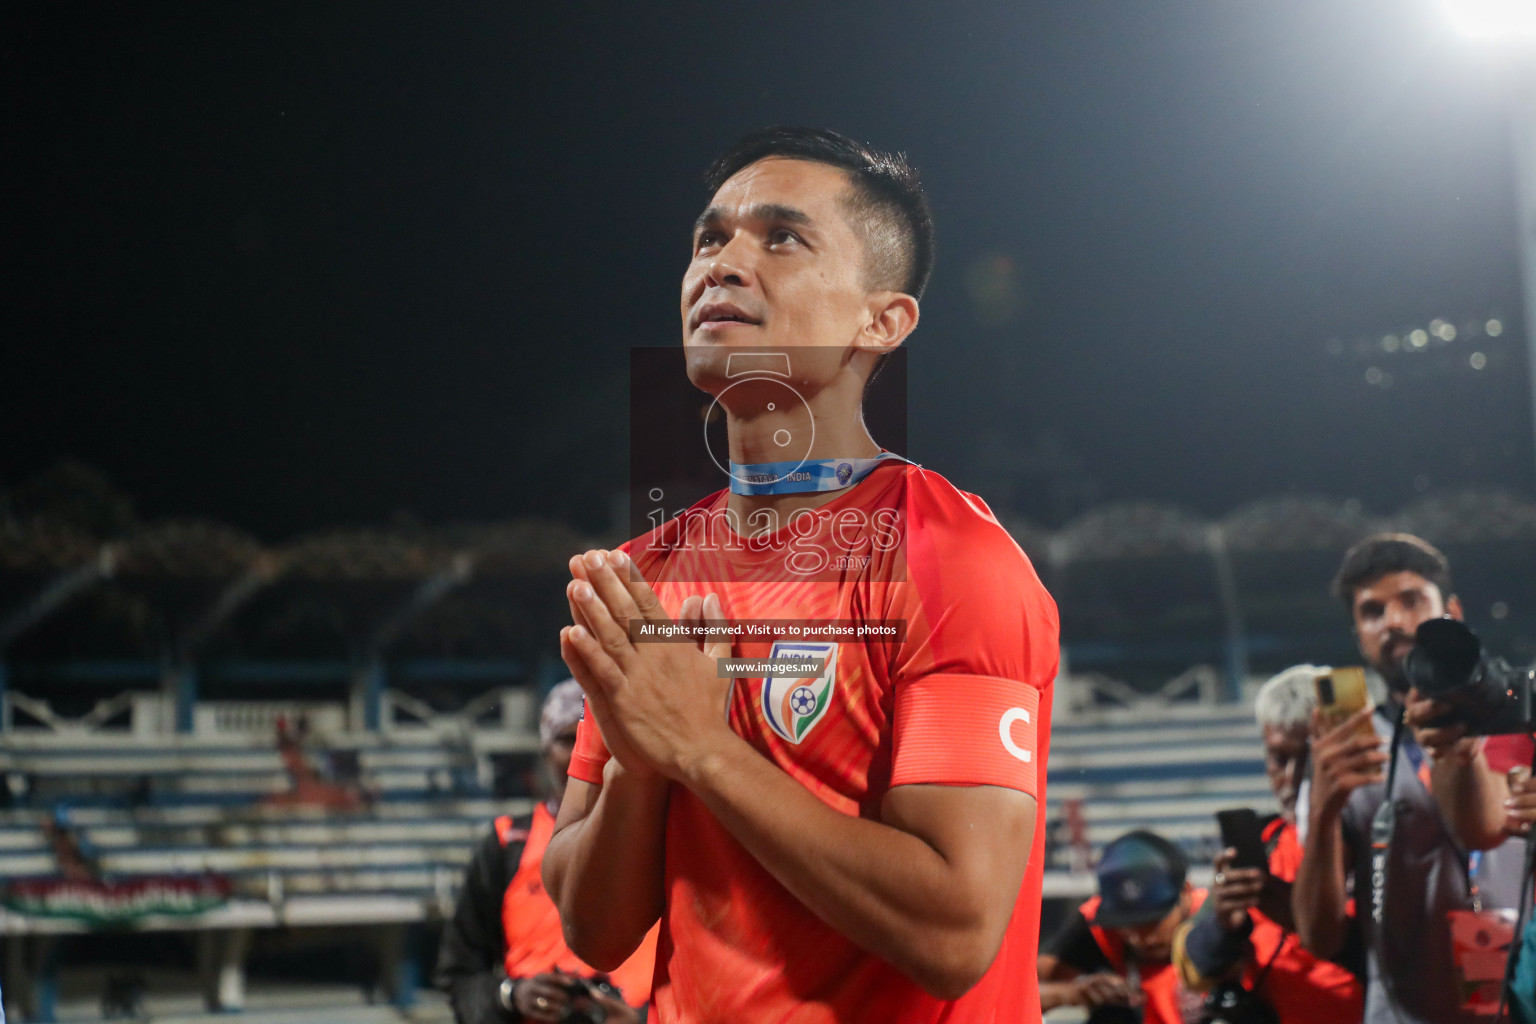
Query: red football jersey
point(965, 699)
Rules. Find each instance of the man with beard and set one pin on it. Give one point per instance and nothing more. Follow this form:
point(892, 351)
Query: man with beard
point(1390, 583)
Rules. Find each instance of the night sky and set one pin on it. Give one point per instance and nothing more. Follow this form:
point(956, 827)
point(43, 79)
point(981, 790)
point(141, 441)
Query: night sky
point(301, 265)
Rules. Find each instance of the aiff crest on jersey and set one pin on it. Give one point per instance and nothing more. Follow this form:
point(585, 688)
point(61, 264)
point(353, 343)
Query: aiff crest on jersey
point(793, 704)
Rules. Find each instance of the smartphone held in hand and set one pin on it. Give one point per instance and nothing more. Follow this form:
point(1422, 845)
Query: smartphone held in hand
point(1242, 831)
point(1341, 692)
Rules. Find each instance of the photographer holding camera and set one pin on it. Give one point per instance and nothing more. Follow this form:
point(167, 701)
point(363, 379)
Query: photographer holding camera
point(503, 956)
point(1410, 874)
point(1478, 714)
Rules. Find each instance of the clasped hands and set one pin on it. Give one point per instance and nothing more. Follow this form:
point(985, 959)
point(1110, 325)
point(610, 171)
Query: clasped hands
point(659, 704)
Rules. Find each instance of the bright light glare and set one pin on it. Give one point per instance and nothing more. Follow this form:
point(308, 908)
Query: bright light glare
point(1490, 19)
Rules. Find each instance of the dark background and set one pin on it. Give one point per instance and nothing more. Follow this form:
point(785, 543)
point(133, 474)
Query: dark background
point(297, 265)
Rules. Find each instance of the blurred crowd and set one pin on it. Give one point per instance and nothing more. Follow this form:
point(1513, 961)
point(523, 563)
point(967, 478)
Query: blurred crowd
point(1390, 885)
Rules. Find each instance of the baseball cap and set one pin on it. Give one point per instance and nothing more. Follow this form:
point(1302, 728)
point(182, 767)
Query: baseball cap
point(1141, 877)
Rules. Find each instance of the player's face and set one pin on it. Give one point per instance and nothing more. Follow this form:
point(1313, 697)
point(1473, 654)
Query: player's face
point(1285, 759)
point(777, 265)
point(1387, 611)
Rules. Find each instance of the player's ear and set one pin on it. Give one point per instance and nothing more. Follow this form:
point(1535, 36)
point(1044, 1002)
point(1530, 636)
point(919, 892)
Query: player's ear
point(1453, 607)
point(893, 316)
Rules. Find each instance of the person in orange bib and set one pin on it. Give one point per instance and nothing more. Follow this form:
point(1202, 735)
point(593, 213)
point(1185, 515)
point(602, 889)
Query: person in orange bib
point(1113, 956)
point(503, 957)
point(1245, 935)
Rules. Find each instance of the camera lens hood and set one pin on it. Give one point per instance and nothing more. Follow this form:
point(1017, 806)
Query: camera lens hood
point(1445, 656)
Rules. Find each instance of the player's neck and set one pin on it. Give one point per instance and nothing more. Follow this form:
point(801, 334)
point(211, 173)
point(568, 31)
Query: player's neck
point(840, 434)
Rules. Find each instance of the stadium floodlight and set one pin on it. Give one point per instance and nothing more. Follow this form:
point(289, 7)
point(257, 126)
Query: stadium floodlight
point(1510, 26)
point(1493, 19)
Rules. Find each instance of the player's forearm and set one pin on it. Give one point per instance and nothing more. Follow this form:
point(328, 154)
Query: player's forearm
point(1318, 900)
point(888, 891)
point(1471, 797)
point(605, 872)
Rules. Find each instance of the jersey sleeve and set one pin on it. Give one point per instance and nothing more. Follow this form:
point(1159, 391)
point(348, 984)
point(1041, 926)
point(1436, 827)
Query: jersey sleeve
point(972, 679)
point(590, 753)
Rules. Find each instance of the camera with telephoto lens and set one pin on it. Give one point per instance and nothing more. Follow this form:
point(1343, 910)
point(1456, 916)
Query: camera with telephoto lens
point(584, 1007)
point(1448, 664)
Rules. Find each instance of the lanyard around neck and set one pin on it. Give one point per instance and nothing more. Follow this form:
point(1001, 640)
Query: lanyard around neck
point(805, 477)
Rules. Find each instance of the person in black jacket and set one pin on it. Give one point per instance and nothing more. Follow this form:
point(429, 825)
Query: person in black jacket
point(503, 956)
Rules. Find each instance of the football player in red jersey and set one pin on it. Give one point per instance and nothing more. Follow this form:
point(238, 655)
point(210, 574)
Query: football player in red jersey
point(863, 847)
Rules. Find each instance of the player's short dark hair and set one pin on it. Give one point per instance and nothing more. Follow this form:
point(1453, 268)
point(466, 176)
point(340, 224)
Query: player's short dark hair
point(886, 197)
point(1384, 554)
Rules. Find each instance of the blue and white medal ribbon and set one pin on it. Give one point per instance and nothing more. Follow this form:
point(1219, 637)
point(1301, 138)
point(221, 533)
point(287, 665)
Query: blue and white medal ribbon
point(805, 477)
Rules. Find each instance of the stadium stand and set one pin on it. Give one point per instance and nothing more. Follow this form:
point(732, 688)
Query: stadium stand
point(1168, 769)
point(399, 861)
point(190, 806)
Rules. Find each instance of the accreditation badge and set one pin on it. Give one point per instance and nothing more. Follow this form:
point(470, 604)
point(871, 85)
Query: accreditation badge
point(1480, 945)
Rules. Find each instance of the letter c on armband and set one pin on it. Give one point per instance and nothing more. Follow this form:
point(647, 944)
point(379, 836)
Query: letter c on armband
point(1005, 730)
